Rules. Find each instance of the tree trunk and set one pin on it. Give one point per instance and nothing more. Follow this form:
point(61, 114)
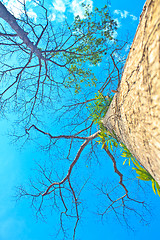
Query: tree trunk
point(11, 20)
point(134, 113)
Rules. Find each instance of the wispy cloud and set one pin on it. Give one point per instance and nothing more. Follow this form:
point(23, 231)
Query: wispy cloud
point(32, 14)
point(134, 18)
point(58, 8)
point(127, 48)
point(125, 14)
point(77, 9)
point(59, 5)
point(52, 17)
point(17, 9)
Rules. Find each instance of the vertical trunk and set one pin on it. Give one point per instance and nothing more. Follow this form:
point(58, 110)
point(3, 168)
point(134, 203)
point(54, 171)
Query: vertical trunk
point(134, 114)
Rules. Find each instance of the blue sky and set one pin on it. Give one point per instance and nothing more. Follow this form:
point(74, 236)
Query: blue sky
point(17, 220)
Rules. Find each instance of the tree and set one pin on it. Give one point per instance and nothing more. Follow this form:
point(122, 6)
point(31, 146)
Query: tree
point(139, 128)
point(48, 72)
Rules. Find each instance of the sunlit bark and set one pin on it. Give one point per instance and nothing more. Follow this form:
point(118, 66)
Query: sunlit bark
point(134, 114)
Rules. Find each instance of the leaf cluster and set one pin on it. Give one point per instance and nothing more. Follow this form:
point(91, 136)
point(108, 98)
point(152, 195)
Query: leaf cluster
point(99, 107)
point(107, 138)
point(98, 110)
point(143, 174)
point(92, 36)
point(126, 154)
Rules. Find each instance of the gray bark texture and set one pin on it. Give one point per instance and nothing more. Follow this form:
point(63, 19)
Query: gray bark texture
point(134, 113)
point(11, 20)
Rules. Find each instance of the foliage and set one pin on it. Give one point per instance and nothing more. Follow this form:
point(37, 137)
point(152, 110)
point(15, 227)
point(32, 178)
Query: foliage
point(99, 107)
point(98, 110)
point(126, 154)
point(92, 36)
point(143, 173)
point(107, 138)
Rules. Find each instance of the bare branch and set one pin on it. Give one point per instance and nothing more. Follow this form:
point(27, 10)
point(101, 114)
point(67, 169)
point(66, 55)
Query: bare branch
point(116, 169)
point(90, 138)
point(11, 20)
point(56, 137)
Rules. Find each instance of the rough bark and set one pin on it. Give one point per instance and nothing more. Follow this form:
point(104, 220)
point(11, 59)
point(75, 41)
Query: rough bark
point(134, 113)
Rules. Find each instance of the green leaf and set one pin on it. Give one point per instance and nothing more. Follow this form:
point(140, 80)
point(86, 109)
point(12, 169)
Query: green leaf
point(158, 188)
point(153, 186)
point(111, 146)
point(124, 161)
point(145, 175)
point(103, 145)
point(143, 178)
point(129, 162)
point(138, 166)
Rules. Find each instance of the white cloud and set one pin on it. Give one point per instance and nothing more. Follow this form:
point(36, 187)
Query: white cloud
point(125, 14)
point(60, 17)
point(127, 48)
point(59, 5)
point(118, 22)
point(58, 9)
point(122, 13)
point(57, 16)
point(134, 18)
point(32, 14)
point(17, 9)
point(77, 8)
point(52, 17)
point(115, 34)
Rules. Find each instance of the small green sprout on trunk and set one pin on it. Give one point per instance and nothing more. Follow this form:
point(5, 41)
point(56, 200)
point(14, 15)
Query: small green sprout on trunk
point(143, 174)
point(98, 109)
